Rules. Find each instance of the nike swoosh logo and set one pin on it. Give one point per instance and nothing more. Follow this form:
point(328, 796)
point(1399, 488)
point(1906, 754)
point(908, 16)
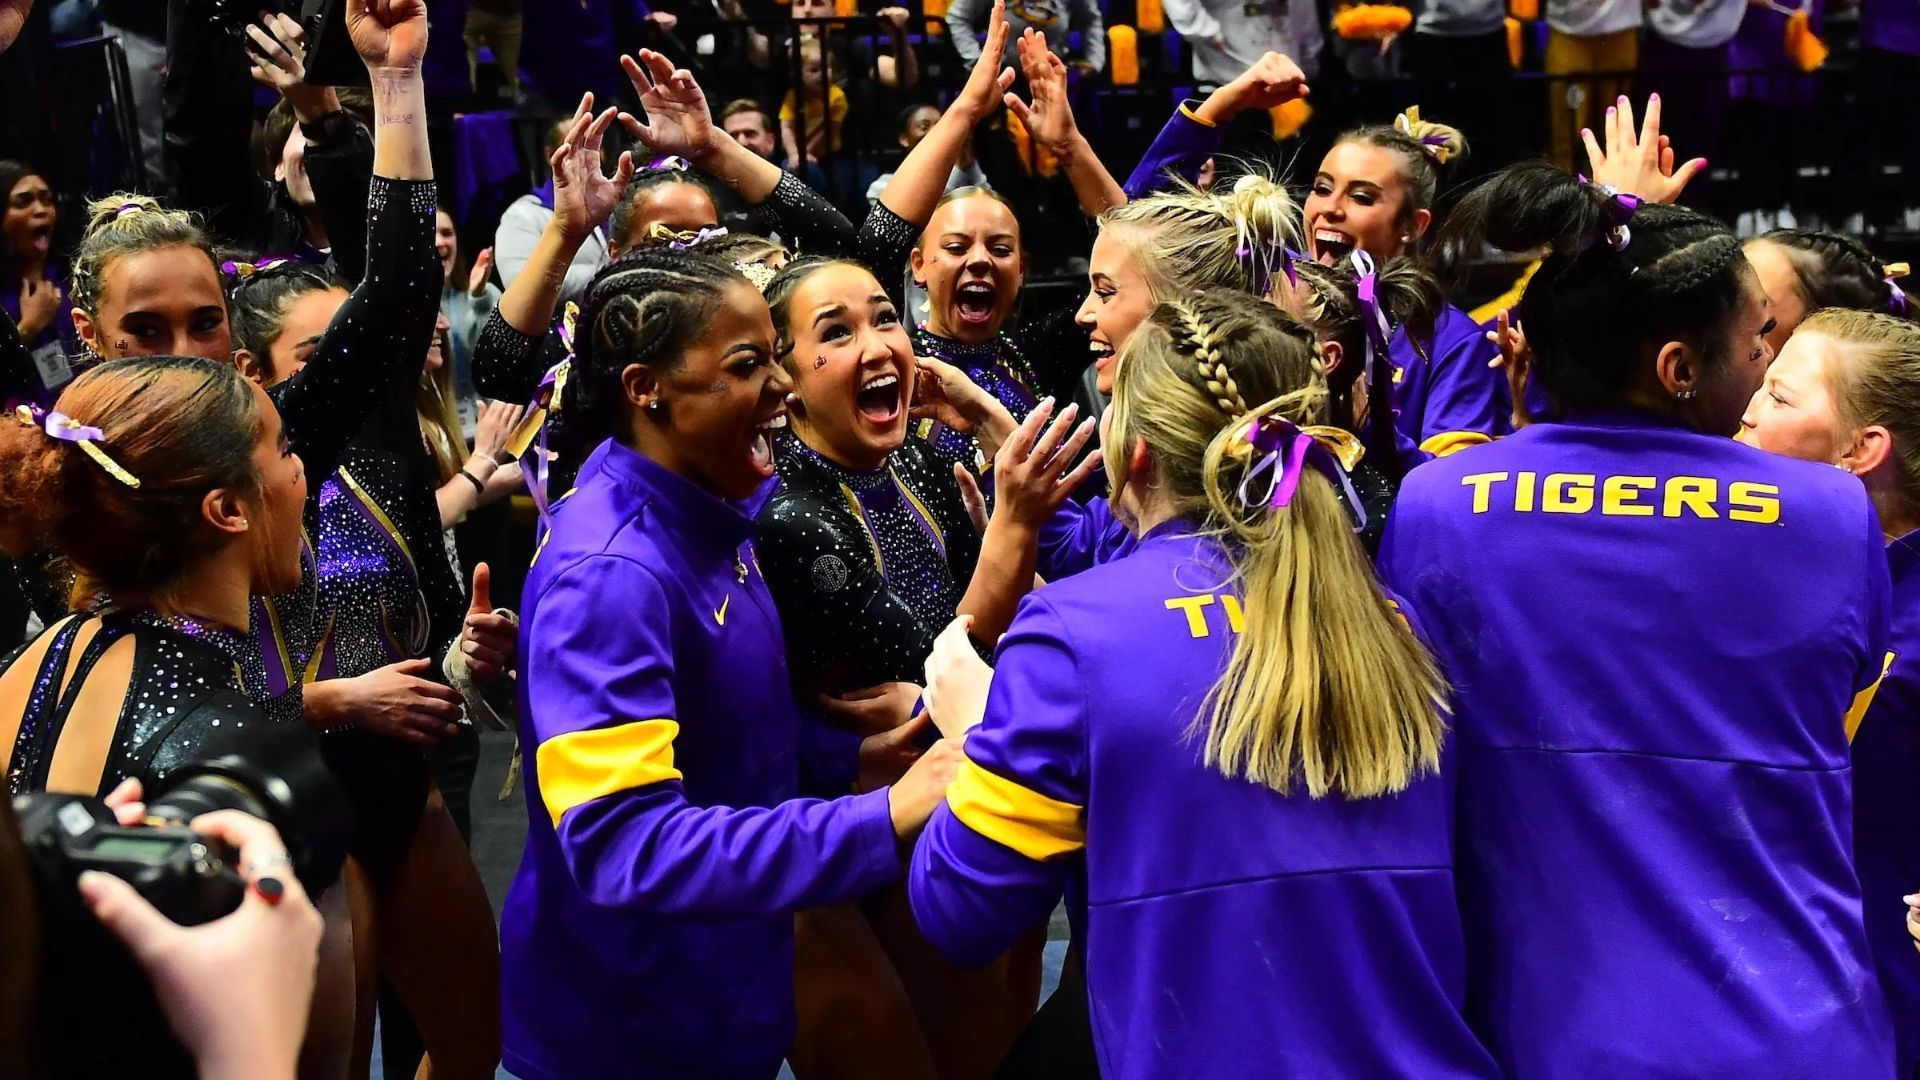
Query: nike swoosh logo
point(720, 613)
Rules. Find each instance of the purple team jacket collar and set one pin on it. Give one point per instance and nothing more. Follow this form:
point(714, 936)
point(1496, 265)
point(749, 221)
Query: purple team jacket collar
point(1625, 417)
point(683, 504)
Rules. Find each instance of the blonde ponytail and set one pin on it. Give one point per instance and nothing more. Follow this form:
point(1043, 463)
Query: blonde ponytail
point(1326, 685)
point(1187, 240)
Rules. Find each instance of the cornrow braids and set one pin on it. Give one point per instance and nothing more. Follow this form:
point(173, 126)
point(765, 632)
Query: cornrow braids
point(1833, 271)
point(625, 228)
point(645, 307)
point(1192, 335)
point(1596, 315)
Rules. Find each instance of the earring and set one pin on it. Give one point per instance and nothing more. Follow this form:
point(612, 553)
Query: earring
point(243, 525)
point(1687, 394)
point(654, 406)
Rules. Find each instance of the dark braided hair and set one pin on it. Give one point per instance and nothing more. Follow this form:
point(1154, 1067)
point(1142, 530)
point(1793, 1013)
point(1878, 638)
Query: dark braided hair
point(645, 307)
point(1330, 304)
point(258, 302)
point(1833, 271)
point(1595, 316)
point(623, 227)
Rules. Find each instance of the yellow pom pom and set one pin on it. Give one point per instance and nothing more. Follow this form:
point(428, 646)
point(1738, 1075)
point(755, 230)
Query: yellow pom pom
point(1805, 47)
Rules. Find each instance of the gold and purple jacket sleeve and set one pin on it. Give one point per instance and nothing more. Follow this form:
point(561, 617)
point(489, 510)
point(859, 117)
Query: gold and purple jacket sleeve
point(995, 859)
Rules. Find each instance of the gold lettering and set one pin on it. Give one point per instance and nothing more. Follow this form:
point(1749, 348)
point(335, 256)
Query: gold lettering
point(1616, 499)
point(1191, 605)
point(1482, 484)
point(1236, 616)
point(1568, 493)
point(1523, 492)
point(1758, 503)
point(1696, 493)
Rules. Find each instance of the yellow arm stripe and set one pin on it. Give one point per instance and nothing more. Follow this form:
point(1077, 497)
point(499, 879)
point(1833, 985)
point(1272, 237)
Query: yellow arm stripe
point(1858, 710)
point(1452, 442)
point(1016, 817)
point(1188, 112)
point(581, 766)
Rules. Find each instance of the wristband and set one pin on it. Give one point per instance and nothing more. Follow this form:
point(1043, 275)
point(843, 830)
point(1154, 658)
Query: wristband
point(479, 488)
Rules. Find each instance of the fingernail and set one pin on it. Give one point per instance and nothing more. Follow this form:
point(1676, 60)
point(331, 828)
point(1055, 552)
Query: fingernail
point(1653, 98)
point(90, 883)
point(1609, 110)
point(270, 889)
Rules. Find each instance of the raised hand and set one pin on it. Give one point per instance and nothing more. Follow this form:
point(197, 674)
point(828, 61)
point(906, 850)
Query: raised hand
point(482, 267)
point(1271, 81)
point(1049, 117)
point(970, 496)
point(1516, 360)
point(872, 710)
point(678, 120)
point(1030, 473)
point(388, 33)
point(944, 393)
point(488, 640)
point(957, 681)
point(13, 15)
point(583, 197)
point(1638, 162)
point(275, 45)
point(498, 419)
point(39, 306)
point(988, 82)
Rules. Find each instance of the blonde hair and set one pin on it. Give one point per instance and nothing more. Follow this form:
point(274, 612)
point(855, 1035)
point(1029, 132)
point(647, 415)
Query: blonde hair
point(1187, 240)
point(1877, 382)
point(126, 224)
point(1327, 684)
point(438, 409)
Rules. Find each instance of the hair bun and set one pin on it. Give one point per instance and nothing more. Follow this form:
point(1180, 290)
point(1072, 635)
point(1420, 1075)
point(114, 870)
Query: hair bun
point(1437, 141)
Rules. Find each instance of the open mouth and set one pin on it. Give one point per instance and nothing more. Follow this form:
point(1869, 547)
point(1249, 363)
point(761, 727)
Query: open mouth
point(1103, 354)
point(41, 237)
point(761, 448)
point(1330, 246)
point(974, 299)
point(878, 401)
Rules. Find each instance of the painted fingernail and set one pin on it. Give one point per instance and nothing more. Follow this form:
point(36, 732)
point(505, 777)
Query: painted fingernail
point(270, 889)
point(1610, 110)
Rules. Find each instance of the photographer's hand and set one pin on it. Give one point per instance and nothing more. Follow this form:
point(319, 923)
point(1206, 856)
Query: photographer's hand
point(237, 989)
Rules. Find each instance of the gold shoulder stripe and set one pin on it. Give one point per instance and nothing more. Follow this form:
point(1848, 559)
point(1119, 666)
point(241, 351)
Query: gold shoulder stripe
point(581, 766)
point(1452, 442)
point(1864, 699)
point(1034, 825)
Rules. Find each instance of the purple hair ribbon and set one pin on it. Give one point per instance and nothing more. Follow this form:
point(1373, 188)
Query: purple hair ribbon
point(1372, 319)
point(687, 242)
point(534, 455)
point(127, 208)
point(1625, 205)
point(1897, 297)
point(59, 425)
point(1285, 451)
point(670, 161)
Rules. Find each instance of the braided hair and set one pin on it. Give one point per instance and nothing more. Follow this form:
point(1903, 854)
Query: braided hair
point(1598, 311)
point(1835, 271)
point(258, 302)
point(1327, 298)
point(625, 227)
point(645, 307)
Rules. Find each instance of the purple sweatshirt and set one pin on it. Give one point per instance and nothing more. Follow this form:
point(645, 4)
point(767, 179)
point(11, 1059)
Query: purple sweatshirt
point(1450, 398)
point(1654, 637)
point(1229, 930)
point(649, 929)
point(1183, 145)
point(1886, 806)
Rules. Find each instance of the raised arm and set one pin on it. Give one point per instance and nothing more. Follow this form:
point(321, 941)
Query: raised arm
point(1050, 121)
point(899, 70)
point(1194, 132)
point(922, 178)
point(679, 123)
point(380, 335)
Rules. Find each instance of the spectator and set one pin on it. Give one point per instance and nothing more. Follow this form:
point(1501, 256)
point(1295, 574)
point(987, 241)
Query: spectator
point(32, 283)
point(1587, 37)
point(967, 24)
point(752, 127)
point(523, 221)
point(896, 69)
point(469, 298)
point(915, 122)
point(812, 114)
point(1228, 36)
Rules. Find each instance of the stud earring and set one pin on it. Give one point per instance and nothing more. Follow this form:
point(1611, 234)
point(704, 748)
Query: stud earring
point(654, 405)
point(1687, 394)
point(243, 525)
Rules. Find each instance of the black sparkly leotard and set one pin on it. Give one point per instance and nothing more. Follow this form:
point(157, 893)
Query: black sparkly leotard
point(374, 345)
point(867, 567)
point(387, 593)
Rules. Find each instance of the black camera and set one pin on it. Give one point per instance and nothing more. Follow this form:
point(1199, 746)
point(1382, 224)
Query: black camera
point(330, 60)
point(85, 973)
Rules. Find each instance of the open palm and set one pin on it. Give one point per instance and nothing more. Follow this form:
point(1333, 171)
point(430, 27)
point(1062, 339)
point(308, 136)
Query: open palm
point(678, 121)
point(388, 33)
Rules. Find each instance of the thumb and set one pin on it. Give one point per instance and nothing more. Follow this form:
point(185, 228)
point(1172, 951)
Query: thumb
point(138, 924)
point(909, 731)
point(970, 496)
point(482, 590)
point(1683, 175)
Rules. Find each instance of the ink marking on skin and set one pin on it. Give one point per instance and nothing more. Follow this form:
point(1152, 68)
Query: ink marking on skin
point(819, 362)
point(718, 388)
point(121, 345)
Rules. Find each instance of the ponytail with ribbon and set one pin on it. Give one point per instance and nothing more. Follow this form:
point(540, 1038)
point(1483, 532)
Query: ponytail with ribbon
point(58, 425)
point(1281, 451)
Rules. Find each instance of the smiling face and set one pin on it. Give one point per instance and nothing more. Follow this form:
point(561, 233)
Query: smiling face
point(29, 221)
point(164, 302)
point(852, 364)
point(1726, 393)
point(969, 259)
point(1359, 199)
point(724, 401)
point(1118, 301)
point(446, 243)
point(754, 130)
point(1794, 412)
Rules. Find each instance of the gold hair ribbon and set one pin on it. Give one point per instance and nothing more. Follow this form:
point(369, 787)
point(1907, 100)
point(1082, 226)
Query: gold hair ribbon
point(1437, 147)
point(759, 273)
point(59, 425)
point(1896, 271)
